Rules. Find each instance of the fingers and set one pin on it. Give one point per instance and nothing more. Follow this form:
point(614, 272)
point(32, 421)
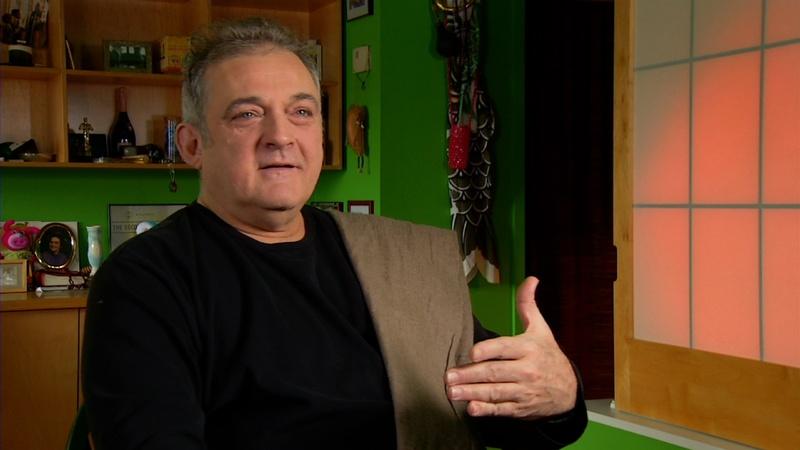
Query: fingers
point(487, 392)
point(532, 319)
point(526, 301)
point(505, 409)
point(504, 347)
point(488, 372)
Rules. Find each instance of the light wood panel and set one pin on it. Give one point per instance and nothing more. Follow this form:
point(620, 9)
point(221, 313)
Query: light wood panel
point(39, 102)
point(81, 326)
point(29, 301)
point(749, 401)
point(623, 197)
point(128, 78)
point(89, 22)
point(744, 400)
point(94, 166)
point(330, 33)
point(297, 21)
point(147, 107)
point(38, 356)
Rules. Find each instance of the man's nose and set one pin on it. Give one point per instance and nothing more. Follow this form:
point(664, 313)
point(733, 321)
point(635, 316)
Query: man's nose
point(277, 131)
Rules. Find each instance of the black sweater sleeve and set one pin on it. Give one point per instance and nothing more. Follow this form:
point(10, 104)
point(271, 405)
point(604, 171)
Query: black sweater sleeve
point(546, 433)
point(140, 361)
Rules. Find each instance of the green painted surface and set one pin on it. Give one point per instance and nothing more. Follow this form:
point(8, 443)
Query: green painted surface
point(502, 31)
point(603, 437)
point(413, 96)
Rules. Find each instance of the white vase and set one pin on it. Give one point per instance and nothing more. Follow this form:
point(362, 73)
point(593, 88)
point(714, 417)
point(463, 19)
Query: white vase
point(95, 251)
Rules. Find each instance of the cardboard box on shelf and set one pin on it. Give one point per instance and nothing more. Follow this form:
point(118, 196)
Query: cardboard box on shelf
point(173, 50)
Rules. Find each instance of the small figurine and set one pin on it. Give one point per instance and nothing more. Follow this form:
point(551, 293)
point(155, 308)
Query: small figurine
point(86, 127)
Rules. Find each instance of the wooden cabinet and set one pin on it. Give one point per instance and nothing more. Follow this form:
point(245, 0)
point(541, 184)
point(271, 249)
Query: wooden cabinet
point(41, 102)
point(39, 368)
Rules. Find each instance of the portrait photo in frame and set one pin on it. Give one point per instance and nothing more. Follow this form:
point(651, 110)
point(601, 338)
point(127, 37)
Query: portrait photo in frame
point(13, 275)
point(127, 56)
point(56, 246)
point(361, 207)
point(358, 8)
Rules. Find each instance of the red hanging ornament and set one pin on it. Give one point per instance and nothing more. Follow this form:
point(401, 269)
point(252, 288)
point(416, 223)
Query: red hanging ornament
point(458, 154)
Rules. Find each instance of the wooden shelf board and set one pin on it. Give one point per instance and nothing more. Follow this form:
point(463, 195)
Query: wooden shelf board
point(28, 301)
point(100, 166)
point(28, 73)
point(142, 79)
point(280, 5)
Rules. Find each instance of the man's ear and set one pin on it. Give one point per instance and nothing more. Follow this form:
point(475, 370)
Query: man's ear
point(190, 144)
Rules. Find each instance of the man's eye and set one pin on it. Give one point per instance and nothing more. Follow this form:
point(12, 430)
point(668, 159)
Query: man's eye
point(246, 115)
point(304, 112)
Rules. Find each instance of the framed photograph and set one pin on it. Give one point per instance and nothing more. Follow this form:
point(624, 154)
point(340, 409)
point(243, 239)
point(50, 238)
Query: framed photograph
point(55, 246)
point(126, 221)
point(361, 207)
point(13, 275)
point(337, 206)
point(127, 56)
point(358, 8)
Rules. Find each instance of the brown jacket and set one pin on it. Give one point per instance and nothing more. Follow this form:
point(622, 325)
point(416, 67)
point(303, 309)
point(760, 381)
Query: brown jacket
point(418, 297)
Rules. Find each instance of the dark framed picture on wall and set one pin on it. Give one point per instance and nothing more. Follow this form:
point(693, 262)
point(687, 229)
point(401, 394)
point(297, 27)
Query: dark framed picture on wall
point(358, 8)
point(361, 207)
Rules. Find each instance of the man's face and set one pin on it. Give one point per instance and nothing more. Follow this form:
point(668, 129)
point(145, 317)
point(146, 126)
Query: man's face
point(264, 146)
point(55, 245)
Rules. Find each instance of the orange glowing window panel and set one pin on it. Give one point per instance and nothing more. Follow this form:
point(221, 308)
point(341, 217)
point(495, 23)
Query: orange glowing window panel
point(725, 281)
point(723, 25)
point(782, 286)
point(726, 124)
point(781, 179)
point(783, 20)
point(661, 279)
point(664, 18)
point(661, 147)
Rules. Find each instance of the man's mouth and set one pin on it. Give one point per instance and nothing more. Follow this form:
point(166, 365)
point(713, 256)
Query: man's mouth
point(278, 167)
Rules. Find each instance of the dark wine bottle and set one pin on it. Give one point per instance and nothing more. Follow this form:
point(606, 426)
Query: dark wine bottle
point(122, 134)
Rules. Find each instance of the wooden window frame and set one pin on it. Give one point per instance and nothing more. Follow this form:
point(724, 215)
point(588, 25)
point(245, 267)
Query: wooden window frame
point(752, 402)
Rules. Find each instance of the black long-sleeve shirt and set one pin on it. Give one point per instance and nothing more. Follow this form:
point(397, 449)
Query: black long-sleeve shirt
point(198, 336)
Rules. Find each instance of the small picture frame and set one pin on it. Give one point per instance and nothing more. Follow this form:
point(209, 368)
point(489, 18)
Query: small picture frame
point(358, 8)
point(55, 246)
point(336, 206)
point(127, 56)
point(361, 207)
point(13, 275)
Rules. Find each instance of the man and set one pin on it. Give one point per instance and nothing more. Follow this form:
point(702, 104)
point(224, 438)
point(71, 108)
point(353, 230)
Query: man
point(248, 320)
point(52, 255)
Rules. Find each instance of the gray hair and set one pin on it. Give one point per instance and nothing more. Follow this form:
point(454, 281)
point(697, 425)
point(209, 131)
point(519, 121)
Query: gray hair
point(227, 39)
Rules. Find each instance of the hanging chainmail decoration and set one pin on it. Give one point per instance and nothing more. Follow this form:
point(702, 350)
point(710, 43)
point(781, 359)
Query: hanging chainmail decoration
point(471, 124)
